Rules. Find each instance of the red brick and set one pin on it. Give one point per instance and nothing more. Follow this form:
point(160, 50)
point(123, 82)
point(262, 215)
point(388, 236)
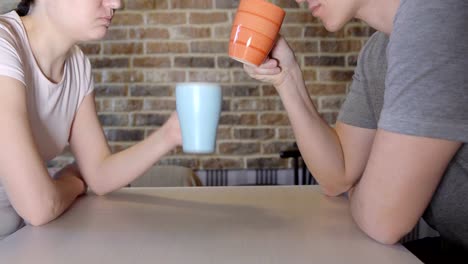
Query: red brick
point(99, 63)
point(340, 45)
point(222, 32)
point(276, 147)
point(239, 148)
point(209, 76)
point(190, 32)
point(194, 62)
point(272, 161)
point(91, 48)
point(208, 18)
point(304, 46)
point(166, 47)
point(287, 4)
point(150, 104)
point(238, 119)
point(185, 161)
point(123, 48)
point(121, 105)
point(127, 19)
point(255, 104)
point(254, 133)
point(150, 90)
point(269, 90)
point(152, 76)
point(336, 75)
point(274, 119)
point(326, 89)
point(139, 4)
point(153, 119)
point(97, 76)
point(324, 60)
point(319, 31)
point(117, 34)
point(309, 75)
point(241, 90)
point(191, 4)
point(299, 17)
point(122, 76)
point(224, 132)
point(113, 120)
point(209, 46)
point(149, 33)
point(227, 4)
point(166, 18)
point(222, 163)
point(291, 31)
point(285, 133)
point(110, 90)
point(359, 30)
point(152, 62)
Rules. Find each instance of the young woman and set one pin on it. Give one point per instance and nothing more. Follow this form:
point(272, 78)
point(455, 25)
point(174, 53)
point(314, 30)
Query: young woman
point(399, 142)
point(47, 102)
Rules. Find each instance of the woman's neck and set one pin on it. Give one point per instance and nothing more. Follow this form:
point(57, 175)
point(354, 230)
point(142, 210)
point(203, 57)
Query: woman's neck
point(50, 48)
point(379, 14)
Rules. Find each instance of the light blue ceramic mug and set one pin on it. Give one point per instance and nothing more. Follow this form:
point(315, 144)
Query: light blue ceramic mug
point(199, 108)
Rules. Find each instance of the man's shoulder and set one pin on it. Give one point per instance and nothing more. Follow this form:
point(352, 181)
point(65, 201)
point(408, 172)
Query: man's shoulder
point(375, 47)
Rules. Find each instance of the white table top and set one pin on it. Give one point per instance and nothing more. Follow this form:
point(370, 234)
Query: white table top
point(202, 225)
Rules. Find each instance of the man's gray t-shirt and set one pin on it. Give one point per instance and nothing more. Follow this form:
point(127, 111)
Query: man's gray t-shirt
point(422, 90)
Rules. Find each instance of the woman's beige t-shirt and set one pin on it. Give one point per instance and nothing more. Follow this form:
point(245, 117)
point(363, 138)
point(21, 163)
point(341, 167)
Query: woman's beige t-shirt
point(51, 106)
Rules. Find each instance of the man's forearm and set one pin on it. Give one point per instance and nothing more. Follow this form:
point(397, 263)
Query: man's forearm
point(318, 142)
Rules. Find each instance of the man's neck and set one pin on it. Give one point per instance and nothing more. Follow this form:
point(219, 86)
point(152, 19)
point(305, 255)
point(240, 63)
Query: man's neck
point(379, 14)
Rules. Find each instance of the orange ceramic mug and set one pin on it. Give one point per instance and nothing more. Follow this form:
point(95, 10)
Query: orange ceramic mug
point(254, 31)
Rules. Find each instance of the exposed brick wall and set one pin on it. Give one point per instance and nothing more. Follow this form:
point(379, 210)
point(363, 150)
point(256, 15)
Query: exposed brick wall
point(153, 44)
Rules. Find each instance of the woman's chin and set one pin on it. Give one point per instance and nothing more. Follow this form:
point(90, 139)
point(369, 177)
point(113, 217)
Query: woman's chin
point(97, 34)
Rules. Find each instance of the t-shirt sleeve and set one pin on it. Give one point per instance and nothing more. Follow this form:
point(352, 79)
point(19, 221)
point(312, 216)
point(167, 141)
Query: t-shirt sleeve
point(357, 108)
point(427, 78)
point(82, 71)
point(89, 77)
point(11, 64)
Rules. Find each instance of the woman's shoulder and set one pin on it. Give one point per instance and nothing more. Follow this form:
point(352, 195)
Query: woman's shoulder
point(10, 24)
point(11, 31)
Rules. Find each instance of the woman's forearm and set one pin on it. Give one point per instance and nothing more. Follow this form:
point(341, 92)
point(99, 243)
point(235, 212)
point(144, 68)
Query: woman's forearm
point(66, 189)
point(119, 169)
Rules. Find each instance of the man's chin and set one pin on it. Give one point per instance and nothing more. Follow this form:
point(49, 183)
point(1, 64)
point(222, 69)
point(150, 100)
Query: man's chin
point(333, 26)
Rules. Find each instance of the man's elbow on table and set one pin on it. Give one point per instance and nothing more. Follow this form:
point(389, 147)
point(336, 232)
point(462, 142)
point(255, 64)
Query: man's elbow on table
point(386, 231)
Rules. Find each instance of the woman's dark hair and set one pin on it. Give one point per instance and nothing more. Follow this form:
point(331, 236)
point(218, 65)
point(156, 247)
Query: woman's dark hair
point(23, 7)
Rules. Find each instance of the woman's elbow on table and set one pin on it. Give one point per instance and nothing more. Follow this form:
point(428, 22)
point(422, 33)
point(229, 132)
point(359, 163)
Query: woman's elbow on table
point(335, 190)
point(41, 213)
point(98, 189)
